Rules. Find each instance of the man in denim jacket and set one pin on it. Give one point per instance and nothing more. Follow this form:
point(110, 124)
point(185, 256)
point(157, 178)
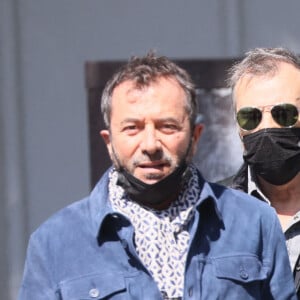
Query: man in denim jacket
point(153, 228)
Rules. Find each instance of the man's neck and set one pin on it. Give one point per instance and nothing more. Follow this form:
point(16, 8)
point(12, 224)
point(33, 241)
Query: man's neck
point(164, 204)
point(284, 198)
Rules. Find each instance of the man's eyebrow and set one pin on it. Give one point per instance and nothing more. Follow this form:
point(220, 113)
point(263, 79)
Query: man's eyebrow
point(168, 119)
point(158, 119)
point(130, 120)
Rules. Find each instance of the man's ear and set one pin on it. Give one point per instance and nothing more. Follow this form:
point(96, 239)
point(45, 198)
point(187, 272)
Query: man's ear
point(196, 136)
point(106, 138)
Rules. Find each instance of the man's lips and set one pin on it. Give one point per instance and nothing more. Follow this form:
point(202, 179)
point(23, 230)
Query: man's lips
point(152, 171)
point(152, 165)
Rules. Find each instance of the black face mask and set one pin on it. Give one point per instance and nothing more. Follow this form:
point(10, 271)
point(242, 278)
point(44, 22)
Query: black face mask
point(274, 154)
point(152, 194)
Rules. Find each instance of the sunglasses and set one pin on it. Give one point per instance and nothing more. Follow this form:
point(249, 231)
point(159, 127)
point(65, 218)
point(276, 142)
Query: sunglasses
point(285, 114)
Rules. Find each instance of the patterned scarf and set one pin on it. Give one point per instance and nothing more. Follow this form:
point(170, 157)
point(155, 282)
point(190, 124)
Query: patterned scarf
point(161, 237)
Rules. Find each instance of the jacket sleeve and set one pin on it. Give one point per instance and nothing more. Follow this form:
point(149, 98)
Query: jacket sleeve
point(281, 283)
point(37, 280)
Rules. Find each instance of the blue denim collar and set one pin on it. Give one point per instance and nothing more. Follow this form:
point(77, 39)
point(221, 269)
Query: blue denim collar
point(101, 210)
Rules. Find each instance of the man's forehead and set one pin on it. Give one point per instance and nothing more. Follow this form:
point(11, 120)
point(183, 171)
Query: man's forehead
point(248, 78)
point(129, 90)
point(132, 87)
point(127, 86)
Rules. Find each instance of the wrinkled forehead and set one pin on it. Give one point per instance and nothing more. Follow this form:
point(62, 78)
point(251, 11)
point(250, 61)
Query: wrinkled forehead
point(283, 86)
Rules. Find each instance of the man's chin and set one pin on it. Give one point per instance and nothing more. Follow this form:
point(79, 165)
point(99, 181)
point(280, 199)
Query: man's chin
point(151, 178)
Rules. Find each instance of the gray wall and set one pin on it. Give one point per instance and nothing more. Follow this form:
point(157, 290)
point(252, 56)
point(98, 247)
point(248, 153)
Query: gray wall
point(43, 116)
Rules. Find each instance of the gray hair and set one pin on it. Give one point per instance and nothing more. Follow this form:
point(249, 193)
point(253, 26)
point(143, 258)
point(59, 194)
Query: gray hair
point(144, 71)
point(261, 62)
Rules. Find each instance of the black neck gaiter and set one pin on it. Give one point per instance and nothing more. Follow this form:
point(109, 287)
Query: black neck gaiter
point(153, 194)
point(273, 154)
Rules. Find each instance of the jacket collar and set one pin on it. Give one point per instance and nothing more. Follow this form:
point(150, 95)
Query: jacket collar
point(245, 180)
point(101, 212)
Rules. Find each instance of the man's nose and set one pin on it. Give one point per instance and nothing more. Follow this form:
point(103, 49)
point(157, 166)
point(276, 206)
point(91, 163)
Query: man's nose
point(268, 121)
point(150, 141)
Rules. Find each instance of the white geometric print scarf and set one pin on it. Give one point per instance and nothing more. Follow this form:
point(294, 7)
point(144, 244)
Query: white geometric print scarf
point(161, 237)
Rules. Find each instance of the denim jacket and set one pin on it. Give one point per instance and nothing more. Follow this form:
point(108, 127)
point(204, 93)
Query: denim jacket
point(86, 251)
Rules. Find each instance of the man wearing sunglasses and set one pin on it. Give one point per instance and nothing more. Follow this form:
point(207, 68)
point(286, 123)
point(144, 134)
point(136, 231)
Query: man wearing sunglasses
point(266, 95)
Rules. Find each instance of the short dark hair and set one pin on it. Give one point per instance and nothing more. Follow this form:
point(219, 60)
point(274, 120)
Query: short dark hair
point(144, 71)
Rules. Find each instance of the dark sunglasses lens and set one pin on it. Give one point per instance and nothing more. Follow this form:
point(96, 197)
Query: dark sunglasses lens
point(285, 115)
point(248, 118)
